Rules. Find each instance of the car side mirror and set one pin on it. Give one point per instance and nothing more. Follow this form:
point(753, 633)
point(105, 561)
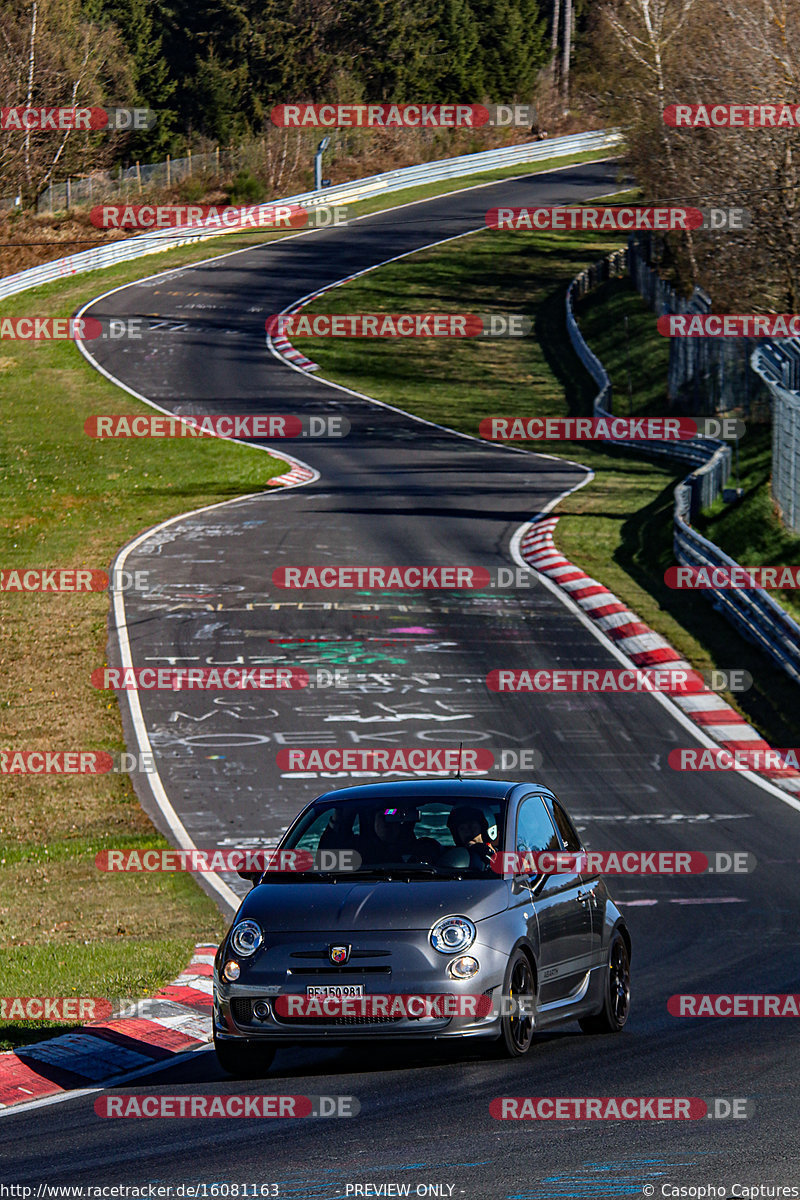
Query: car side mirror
point(530, 883)
point(252, 876)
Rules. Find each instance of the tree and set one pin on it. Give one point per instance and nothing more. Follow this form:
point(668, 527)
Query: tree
point(458, 44)
point(140, 26)
point(56, 57)
point(514, 47)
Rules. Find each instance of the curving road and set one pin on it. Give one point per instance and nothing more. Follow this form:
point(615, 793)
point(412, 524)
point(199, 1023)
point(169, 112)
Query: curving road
point(398, 490)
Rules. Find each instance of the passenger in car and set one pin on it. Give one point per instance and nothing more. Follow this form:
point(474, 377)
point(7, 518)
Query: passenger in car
point(470, 829)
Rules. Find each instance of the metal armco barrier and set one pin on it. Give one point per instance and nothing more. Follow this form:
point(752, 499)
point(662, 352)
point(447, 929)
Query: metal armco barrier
point(359, 189)
point(754, 613)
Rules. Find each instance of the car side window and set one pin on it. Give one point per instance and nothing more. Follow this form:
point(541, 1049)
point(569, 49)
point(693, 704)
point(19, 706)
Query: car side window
point(569, 834)
point(315, 831)
point(535, 831)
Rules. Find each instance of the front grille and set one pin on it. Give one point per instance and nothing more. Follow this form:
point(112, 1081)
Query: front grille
point(339, 971)
point(381, 1020)
point(242, 1010)
point(323, 954)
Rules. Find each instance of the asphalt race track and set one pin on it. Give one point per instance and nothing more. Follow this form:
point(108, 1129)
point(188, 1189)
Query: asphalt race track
point(400, 491)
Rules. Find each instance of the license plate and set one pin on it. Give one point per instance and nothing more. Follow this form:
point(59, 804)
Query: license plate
point(335, 989)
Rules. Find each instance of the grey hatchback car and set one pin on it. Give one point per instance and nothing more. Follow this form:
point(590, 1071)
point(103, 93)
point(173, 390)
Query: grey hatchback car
point(428, 919)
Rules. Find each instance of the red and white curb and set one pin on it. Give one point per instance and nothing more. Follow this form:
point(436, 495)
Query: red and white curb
point(179, 1019)
point(286, 350)
point(642, 646)
point(298, 474)
point(283, 347)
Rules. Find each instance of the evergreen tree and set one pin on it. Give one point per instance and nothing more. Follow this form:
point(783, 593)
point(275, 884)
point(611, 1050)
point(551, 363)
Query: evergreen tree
point(513, 35)
point(460, 73)
point(140, 24)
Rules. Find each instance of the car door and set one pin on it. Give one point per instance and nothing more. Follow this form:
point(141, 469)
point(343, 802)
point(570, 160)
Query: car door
point(562, 910)
point(593, 890)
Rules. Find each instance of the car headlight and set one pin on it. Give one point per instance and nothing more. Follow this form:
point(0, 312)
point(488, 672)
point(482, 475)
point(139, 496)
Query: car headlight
point(453, 935)
point(463, 968)
point(246, 938)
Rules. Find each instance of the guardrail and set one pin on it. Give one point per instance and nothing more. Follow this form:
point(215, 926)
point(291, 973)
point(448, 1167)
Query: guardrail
point(359, 189)
point(754, 613)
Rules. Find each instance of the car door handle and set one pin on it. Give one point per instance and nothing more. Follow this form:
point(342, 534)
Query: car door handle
point(583, 897)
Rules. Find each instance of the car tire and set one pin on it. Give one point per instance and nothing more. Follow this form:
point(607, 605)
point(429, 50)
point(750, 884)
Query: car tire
point(244, 1058)
point(616, 991)
point(516, 1031)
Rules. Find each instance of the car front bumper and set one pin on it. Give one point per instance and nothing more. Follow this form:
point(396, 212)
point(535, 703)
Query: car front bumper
point(399, 967)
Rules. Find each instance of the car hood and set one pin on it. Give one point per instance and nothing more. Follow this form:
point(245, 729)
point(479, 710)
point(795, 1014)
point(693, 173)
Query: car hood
point(371, 904)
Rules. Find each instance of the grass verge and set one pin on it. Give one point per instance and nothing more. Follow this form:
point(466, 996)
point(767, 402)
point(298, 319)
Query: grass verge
point(71, 501)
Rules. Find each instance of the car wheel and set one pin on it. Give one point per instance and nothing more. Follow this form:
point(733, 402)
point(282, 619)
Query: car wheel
point(519, 997)
point(242, 1058)
point(617, 991)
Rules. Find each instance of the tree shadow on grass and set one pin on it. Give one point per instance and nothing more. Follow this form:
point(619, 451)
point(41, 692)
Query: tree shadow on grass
point(549, 327)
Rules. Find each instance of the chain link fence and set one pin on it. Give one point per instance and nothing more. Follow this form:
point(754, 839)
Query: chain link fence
point(707, 376)
point(778, 364)
point(131, 181)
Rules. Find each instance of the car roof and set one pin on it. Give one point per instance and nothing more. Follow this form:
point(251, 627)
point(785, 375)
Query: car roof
point(429, 789)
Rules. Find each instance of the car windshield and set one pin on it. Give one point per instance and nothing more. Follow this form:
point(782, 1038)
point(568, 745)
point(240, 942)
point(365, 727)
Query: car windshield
point(447, 838)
